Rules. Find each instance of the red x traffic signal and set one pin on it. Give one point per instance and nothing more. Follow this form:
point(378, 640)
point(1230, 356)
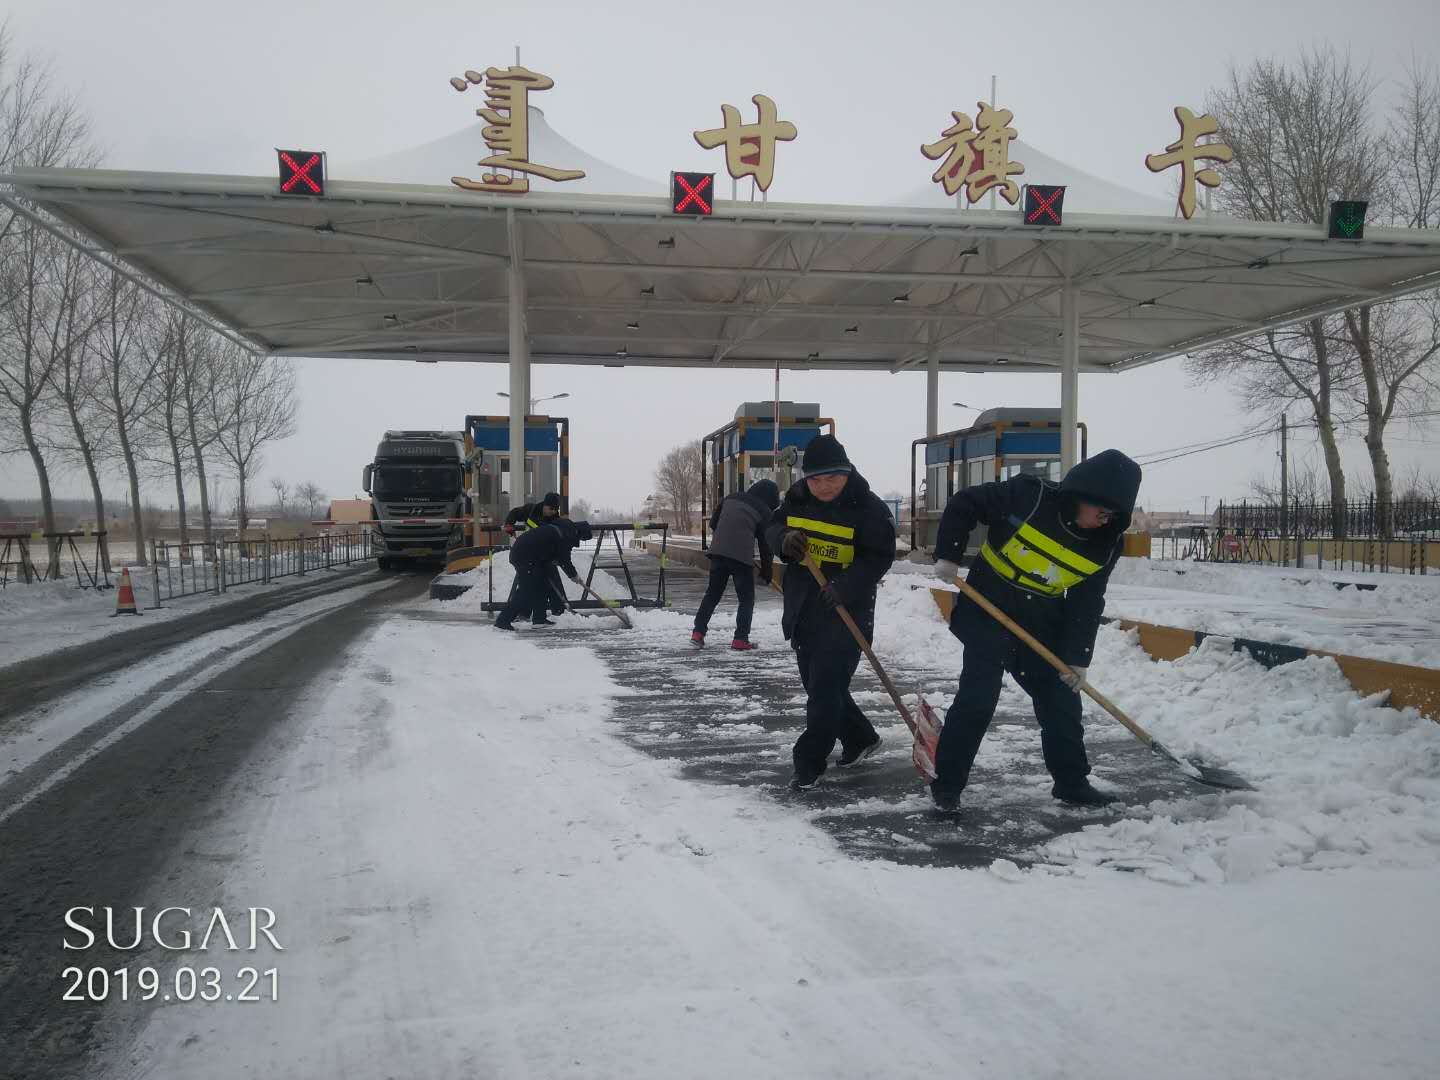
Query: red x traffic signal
point(1043, 204)
point(692, 193)
point(302, 172)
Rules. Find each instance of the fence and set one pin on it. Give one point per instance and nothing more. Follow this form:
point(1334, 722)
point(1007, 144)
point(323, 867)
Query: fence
point(221, 565)
point(1414, 555)
point(1362, 519)
point(16, 556)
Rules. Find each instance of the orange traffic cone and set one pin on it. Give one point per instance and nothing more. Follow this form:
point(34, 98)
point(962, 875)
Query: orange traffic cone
point(125, 596)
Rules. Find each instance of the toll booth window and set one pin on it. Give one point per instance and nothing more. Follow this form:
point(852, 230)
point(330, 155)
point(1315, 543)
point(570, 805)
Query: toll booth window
point(397, 481)
point(935, 487)
point(1044, 468)
point(981, 471)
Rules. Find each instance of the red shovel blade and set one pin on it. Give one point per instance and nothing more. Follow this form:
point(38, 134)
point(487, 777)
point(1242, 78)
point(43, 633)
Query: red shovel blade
point(927, 737)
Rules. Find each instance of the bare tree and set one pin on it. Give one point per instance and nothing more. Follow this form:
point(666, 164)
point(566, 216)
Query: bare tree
point(1303, 135)
point(281, 491)
point(253, 406)
point(165, 419)
point(75, 382)
point(1412, 149)
point(313, 496)
point(677, 481)
point(199, 369)
point(128, 370)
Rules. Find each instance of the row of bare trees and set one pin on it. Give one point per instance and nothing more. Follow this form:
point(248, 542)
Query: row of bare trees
point(1305, 133)
point(98, 374)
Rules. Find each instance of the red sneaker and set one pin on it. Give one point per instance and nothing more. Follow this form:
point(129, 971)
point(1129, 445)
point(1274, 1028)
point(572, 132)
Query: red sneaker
point(741, 645)
point(697, 639)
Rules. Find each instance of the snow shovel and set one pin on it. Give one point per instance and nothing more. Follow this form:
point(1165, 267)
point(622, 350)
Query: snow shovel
point(926, 729)
point(1205, 774)
point(610, 605)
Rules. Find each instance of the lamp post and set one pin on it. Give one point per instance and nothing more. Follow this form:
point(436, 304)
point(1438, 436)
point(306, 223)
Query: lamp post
point(534, 401)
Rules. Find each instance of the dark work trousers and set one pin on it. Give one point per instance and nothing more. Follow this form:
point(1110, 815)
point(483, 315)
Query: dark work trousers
point(531, 592)
point(723, 570)
point(556, 591)
point(830, 711)
point(990, 651)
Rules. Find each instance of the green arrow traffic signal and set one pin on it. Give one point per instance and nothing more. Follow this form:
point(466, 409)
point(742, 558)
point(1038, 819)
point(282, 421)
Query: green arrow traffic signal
point(1347, 219)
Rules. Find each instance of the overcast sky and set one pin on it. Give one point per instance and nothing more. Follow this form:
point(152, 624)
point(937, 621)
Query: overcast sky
point(202, 87)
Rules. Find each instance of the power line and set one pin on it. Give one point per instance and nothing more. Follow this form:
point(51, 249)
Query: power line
point(1202, 442)
point(1234, 440)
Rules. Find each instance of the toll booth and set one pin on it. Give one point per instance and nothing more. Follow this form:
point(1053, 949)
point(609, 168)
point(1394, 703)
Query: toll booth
point(1000, 444)
point(743, 451)
point(487, 459)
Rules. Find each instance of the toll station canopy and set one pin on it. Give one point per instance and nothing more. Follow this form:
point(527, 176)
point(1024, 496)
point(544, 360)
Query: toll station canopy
point(426, 273)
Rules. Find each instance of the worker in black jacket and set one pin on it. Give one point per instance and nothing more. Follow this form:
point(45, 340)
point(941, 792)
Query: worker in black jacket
point(1045, 563)
point(530, 517)
point(834, 516)
point(739, 523)
point(535, 555)
point(527, 517)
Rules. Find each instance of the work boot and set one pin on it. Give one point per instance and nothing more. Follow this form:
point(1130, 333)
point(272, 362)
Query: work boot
point(853, 757)
point(504, 624)
point(1080, 793)
point(804, 781)
point(697, 639)
point(946, 801)
point(741, 645)
point(542, 622)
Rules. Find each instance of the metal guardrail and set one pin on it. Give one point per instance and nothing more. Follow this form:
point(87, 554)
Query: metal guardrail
point(221, 565)
point(16, 555)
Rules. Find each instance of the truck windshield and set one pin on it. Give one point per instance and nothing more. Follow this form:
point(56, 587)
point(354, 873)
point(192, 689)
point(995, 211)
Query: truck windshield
point(430, 480)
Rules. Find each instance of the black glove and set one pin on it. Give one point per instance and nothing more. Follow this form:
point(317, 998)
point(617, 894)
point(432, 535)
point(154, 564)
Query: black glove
point(831, 594)
point(794, 545)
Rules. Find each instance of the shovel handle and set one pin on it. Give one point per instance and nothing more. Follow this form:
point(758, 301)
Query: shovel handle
point(1054, 661)
point(609, 605)
point(865, 648)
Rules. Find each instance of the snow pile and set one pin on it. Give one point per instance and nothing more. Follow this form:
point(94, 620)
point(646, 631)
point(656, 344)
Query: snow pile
point(1342, 780)
point(1399, 620)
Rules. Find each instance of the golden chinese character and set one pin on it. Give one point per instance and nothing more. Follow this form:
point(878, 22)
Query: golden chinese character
point(749, 148)
point(978, 159)
point(1185, 150)
point(507, 131)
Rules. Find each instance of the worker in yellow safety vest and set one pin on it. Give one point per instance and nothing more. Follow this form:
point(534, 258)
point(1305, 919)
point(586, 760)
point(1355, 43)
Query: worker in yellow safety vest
point(1045, 562)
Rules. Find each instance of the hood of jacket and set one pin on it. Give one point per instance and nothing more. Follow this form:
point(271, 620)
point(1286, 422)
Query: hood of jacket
point(1109, 479)
point(767, 491)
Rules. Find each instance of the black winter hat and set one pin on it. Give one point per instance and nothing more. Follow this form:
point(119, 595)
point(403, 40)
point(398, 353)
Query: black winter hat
point(824, 455)
point(551, 500)
point(767, 492)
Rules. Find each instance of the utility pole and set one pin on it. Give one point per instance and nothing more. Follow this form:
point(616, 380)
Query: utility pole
point(1284, 494)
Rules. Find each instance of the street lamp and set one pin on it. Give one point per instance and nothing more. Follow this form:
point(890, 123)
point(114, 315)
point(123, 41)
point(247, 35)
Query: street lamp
point(535, 401)
point(962, 405)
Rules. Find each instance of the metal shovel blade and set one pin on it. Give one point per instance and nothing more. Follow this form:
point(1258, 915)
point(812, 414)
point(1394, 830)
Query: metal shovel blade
point(1210, 775)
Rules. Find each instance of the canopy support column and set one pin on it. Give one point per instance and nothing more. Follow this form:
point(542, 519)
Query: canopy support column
point(519, 363)
point(932, 392)
point(1069, 374)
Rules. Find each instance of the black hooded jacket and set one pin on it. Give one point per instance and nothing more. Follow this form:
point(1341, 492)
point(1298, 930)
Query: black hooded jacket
point(550, 542)
point(853, 540)
point(1066, 621)
point(740, 521)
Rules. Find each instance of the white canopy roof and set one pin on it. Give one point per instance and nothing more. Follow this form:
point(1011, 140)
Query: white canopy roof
point(419, 272)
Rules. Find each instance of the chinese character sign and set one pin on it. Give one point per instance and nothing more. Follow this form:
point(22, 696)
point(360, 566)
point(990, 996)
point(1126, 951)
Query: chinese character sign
point(750, 148)
point(507, 130)
point(978, 159)
point(1186, 150)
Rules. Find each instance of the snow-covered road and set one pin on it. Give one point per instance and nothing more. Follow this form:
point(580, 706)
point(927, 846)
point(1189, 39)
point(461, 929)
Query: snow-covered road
point(474, 877)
